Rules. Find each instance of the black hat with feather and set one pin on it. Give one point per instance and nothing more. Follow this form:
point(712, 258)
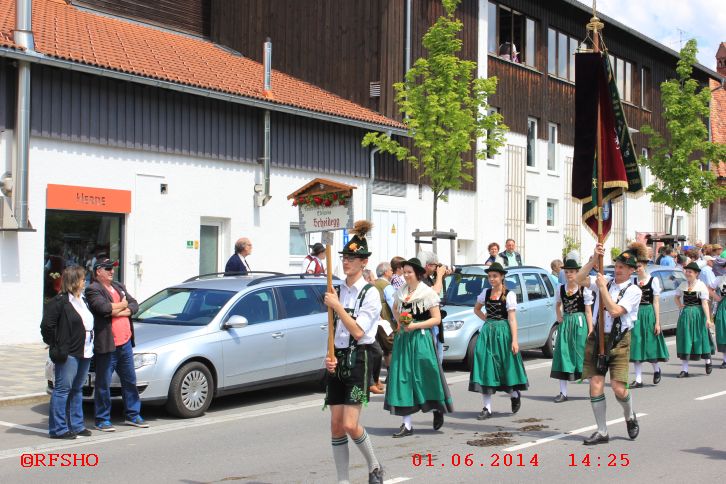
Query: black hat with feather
point(357, 246)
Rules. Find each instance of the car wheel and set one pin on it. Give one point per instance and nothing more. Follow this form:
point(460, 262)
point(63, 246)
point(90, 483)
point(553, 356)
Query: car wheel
point(470, 352)
point(191, 390)
point(549, 347)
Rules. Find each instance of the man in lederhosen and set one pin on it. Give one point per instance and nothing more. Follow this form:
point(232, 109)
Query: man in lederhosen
point(621, 300)
point(357, 310)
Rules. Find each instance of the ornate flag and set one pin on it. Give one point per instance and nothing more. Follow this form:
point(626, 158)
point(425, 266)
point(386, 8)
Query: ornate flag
point(595, 85)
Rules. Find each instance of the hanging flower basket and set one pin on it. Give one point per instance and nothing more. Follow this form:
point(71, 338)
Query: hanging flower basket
point(321, 200)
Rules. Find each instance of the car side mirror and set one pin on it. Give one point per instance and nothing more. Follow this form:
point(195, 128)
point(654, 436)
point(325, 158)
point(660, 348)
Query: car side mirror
point(236, 321)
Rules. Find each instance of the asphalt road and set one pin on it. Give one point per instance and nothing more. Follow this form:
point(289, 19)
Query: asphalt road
point(282, 436)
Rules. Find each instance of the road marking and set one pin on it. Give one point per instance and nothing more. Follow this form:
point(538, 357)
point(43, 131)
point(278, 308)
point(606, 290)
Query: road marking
point(713, 395)
point(396, 480)
point(562, 436)
point(534, 366)
point(22, 427)
point(181, 425)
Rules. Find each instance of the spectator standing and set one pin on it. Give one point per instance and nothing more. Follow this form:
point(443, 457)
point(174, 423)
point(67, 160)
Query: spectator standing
point(397, 280)
point(67, 327)
point(510, 257)
point(668, 258)
point(493, 249)
point(112, 307)
point(237, 263)
point(313, 262)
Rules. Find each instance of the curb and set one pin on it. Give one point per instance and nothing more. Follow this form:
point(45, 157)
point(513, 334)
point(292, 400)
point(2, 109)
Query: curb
point(28, 399)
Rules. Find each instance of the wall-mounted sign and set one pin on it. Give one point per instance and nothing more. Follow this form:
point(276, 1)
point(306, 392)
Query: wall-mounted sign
point(88, 199)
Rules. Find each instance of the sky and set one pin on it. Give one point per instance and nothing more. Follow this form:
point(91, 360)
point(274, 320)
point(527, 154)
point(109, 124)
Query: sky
point(672, 21)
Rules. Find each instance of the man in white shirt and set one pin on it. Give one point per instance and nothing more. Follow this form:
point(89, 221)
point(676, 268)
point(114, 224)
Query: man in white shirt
point(357, 311)
point(621, 300)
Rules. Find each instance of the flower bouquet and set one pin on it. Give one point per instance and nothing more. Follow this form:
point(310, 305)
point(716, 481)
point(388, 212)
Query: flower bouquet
point(405, 318)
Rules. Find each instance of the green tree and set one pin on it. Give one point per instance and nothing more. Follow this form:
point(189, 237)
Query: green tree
point(679, 159)
point(445, 109)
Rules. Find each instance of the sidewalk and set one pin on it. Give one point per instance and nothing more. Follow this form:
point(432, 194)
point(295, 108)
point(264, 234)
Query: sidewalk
point(22, 374)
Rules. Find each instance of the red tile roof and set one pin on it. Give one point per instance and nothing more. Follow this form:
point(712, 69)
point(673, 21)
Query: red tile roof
point(65, 32)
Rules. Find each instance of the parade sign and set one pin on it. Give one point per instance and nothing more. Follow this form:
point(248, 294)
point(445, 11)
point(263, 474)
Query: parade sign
point(324, 205)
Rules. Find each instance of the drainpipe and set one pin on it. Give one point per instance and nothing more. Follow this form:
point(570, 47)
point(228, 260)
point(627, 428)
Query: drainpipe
point(369, 189)
point(23, 36)
point(262, 191)
point(407, 50)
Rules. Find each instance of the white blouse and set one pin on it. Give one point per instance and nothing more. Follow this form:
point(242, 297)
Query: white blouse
point(82, 309)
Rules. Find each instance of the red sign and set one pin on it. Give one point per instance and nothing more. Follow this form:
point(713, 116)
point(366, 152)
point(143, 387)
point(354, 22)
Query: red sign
point(88, 199)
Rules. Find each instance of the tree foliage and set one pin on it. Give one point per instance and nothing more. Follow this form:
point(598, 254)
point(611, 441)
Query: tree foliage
point(680, 159)
point(445, 109)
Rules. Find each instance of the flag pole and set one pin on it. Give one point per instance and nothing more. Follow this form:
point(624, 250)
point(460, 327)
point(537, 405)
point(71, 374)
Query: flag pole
point(331, 319)
point(596, 26)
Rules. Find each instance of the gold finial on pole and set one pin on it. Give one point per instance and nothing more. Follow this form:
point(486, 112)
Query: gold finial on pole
point(595, 26)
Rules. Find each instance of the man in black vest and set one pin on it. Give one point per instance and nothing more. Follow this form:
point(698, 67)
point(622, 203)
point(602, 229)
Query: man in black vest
point(510, 257)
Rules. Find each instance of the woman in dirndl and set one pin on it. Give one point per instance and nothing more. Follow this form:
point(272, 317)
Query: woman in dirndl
point(497, 363)
point(416, 379)
point(693, 340)
point(647, 342)
point(574, 315)
point(719, 294)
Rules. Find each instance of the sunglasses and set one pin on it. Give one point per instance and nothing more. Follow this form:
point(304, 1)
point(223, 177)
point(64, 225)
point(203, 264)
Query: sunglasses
point(109, 269)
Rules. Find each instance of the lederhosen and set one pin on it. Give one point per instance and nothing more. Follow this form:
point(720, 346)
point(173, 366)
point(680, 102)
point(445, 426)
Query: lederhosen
point(348, 385)
point(617, 348)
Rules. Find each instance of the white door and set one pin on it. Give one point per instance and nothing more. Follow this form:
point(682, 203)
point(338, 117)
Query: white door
point(389, 235)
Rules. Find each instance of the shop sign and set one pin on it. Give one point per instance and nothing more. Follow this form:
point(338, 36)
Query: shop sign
point(88, 199)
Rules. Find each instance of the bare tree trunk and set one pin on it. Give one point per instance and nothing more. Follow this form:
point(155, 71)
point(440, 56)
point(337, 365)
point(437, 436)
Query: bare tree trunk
point(673, 217)
point(434, 239)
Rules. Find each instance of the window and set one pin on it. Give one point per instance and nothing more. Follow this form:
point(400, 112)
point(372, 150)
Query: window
point(300, 301)
point(512, 36)
point(512, 284)
point(552, 148)
point(535, 288)
point(182, 306)
point(670, 280)
point(531, 142)
point(491, 152)
point(258, 307)
point(645, 88)
point(551, 213)
point(561, 50)
point(679, 225)
point(531, 216)
point(298, 241)
point(548, 283)
point(622, 71)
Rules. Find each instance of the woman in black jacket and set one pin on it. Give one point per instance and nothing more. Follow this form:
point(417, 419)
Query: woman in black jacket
point(67, 328)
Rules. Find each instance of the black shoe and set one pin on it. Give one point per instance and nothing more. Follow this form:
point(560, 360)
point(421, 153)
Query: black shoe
point(403, 432)
point(635, 384)
point(438, 420)
point(723, 365)
point(633, 428)
point(66, 436)
point(560, 398)
point(656, 377)
point(683, 374)
point(376, 477)
point(485, 414)
point(516, 403)
point(84, 433)
point(596, 438)
point(709, 368)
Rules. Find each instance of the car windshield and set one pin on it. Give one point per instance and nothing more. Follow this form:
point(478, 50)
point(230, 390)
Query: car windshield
point(183, 306)
point(462, 289)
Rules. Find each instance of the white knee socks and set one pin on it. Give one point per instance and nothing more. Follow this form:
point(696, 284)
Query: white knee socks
point(407, 422)
point(638, 371)
point(563, 387)
point(487, 401)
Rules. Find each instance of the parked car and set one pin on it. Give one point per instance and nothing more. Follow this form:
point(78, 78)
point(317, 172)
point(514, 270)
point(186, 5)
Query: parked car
point(670, 278)
point(215, 335)
point(536, 318)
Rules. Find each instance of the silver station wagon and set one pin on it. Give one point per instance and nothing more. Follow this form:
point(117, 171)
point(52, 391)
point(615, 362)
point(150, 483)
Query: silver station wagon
point(536, 318)
point(214, 335)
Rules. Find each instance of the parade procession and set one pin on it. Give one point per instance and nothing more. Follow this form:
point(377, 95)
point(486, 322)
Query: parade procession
point(436, 232)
